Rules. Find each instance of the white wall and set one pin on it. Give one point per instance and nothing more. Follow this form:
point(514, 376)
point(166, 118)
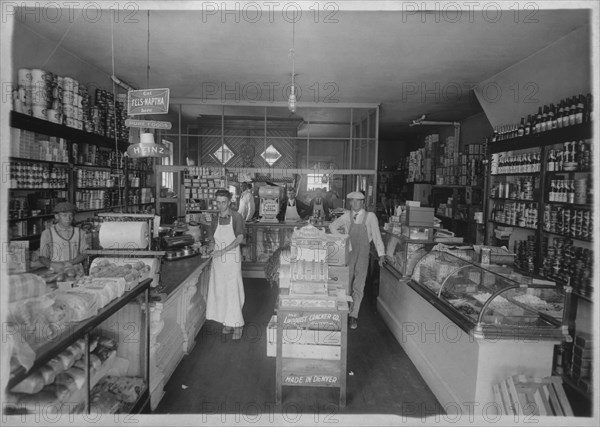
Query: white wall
point(560, 70)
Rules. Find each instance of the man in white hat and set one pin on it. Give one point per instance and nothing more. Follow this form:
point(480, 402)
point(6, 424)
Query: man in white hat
point(363, 228)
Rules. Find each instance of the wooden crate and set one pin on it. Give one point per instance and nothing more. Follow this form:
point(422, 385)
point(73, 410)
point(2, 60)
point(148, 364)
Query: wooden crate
point(525, 395)
point(311, 348)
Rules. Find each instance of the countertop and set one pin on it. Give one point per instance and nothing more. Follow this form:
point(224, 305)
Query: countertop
point(284, 224)
point(173, 273)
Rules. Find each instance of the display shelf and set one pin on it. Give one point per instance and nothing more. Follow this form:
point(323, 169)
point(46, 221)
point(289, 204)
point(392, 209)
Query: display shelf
point(45, 127)
point(569, 133)
point(30, 237)
point(455, 186)
point(99, 188)
point(38, 189)
point(574, 205)
point(96, 167)
point(75, 330)
point(584, 297)
point(512, 225)
point(513, 200)
point(51, 162)
point(566, 235)
point(553, 173)
point(516, 174)
point(27, 218)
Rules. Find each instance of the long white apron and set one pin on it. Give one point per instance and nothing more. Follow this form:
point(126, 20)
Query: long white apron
point(225, 287)
point(291, 213)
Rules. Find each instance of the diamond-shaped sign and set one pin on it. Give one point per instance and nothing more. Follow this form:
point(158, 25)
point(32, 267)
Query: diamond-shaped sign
point(224, 154)
point(271, 155)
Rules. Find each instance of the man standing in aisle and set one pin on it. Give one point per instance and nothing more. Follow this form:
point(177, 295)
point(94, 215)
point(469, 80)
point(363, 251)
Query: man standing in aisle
point(225, 287)
point(247, 207)
point(363, 228)
point(292, 209)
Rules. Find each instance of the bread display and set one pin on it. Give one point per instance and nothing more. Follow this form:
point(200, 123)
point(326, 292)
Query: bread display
point(32, 384)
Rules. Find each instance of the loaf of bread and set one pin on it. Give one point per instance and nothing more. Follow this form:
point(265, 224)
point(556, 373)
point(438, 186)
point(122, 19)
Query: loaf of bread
point(48, 373)
point(32, 384)
point(78, 376)
point(66, 380)
point(67, 358)
point(61, 391)
point(45, 401)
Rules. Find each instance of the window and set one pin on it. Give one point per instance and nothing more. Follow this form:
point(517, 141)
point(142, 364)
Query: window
point(271, 155)
point(317, 180)
point(223, 154)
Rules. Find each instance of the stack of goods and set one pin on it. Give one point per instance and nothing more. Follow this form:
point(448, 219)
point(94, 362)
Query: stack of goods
point(471, 165)
point(579, 361)
point(35, 146)
point(108, 116)
point(574, 156)
point(567, 263)
point(200, 187)
point(447, 173)
point(526, 254)
point(131, 273)
point(37, 176)
point(420, 164)
point(577, 223)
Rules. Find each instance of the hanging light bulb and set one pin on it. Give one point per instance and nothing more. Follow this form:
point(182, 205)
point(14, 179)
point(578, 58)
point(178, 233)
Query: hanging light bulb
point(292, 100)
point(292, 97)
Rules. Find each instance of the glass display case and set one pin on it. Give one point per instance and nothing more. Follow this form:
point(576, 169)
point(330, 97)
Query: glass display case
point(403, 253)
point(491, 301)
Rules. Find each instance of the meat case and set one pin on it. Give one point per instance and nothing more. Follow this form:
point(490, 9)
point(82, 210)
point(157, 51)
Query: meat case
point(467, 326)
point(403, 252)
point(492, 301)
point(97, 365)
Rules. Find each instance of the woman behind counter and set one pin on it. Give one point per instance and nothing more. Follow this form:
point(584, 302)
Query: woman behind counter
point(63, 246)
point(225, 287)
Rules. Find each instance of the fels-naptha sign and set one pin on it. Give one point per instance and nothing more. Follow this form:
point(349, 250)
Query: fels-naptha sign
point(148, 101)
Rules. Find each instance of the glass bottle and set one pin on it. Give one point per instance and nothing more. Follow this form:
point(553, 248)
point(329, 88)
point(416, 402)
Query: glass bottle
point(559, 114)
point(538, 121)
point(572, 111)
point(544, 120)
point(551, 161)
point(527, 129)
point(579, 110)
point(521, 130)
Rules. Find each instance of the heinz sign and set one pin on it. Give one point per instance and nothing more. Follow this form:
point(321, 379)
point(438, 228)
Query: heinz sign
point(148, 101)
point(147, 149)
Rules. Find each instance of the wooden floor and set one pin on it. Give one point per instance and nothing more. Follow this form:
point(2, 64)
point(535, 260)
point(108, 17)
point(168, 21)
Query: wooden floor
point(226, 376)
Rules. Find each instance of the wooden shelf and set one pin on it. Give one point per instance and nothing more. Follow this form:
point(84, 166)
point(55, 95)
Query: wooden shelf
point(51, 162)
point(96, 167)
point(575, 205)
point(38, 189)
point(27, 218)
point(515, 226)
point(566, 236)
point(30, 123)
point(514, 200)
point(552, 137)
point(516, 174)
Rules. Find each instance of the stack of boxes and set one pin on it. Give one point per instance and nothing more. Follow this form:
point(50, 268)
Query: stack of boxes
point(471, 165)
point(448, 167)
point(35, 146)
point(420, 162)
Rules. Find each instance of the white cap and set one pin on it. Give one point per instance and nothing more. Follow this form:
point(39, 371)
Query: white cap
point(356, 195)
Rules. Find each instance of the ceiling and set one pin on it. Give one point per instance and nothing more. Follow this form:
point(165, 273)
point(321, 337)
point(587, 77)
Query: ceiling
point(409, 64)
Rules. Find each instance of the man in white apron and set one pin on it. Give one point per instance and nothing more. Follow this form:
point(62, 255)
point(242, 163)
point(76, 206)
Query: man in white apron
point(63, 246)
point(225, 288)
point(292, 209)
point(363, 228)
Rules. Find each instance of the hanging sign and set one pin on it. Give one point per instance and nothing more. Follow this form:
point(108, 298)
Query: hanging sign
point(148, 124)
point(148, 149)
point(148, 101)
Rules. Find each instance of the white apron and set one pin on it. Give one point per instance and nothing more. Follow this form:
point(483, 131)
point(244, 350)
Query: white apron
point(291, 213)
point(225, 287)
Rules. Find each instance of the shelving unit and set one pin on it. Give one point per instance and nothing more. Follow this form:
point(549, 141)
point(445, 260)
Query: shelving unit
point(46, 350)
point(554, 254)
point(79, 145)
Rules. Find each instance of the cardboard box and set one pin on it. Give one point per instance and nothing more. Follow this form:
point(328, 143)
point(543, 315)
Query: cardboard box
point(419, 216)
point(417, 233)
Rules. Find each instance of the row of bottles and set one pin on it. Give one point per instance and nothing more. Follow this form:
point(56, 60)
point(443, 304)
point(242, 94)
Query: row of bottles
point(570, 191)
point(574, 156)
point(508, 163)
point(97, 199)
point(526, 254)
point(569, 112)
point(95, 178)
point(516, 213)
point(576, 223)
point(37, 175)
point(567, 263)
point(521, 188)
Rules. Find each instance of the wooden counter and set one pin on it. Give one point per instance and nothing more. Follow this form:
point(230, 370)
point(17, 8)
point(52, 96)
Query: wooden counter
point(176, 318)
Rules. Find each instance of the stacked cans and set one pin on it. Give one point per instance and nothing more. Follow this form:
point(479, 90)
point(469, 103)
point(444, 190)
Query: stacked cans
point(568, 221)
point(108, 116)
